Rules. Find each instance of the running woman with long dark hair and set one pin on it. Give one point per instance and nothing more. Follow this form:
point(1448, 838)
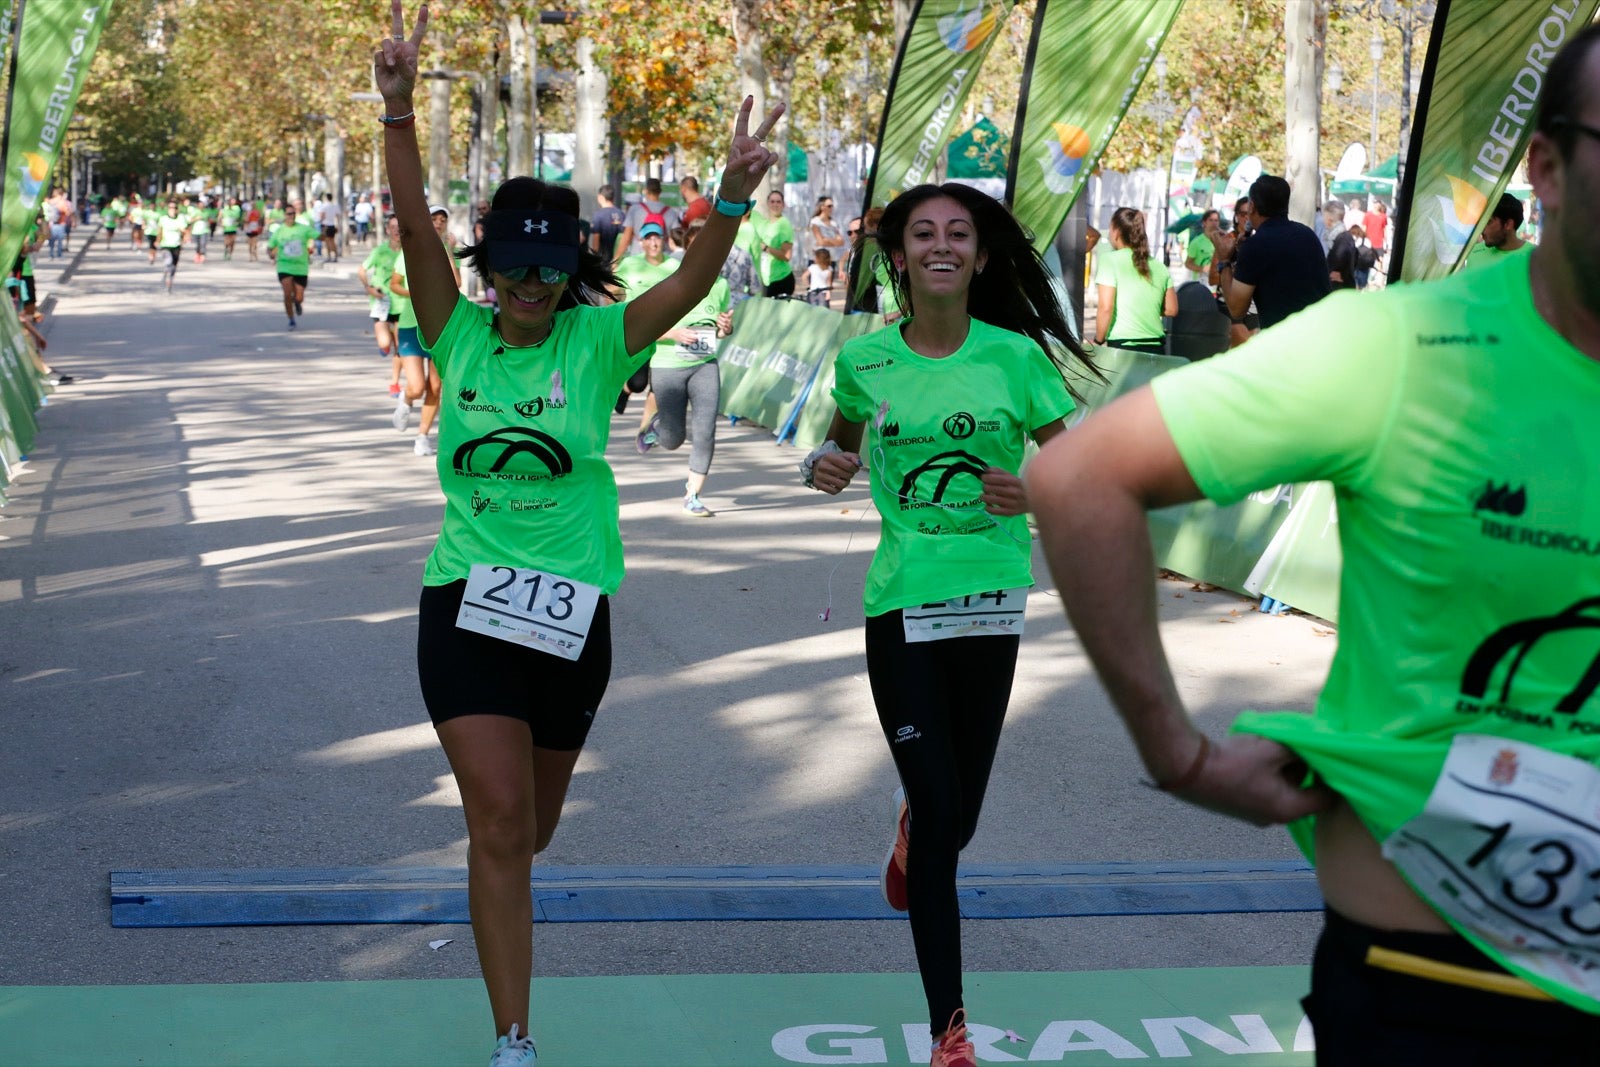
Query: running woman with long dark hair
point(530, 536)
point(946, 401)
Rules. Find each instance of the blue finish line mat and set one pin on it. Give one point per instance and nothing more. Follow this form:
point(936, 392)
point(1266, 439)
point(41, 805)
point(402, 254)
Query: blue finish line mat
point(306, 896)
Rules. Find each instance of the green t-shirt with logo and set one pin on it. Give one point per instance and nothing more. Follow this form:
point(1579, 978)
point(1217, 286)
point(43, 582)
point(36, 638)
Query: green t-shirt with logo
point(774, 233)
point(1483, 256)
point(293, 243)
point(199, 222)
point(1201, 250)
point(229, 218)
point(1137, 313)
point(522, 442)
point(946, 421)
point(1458, 431)
point(638, 274)
point(170, 231)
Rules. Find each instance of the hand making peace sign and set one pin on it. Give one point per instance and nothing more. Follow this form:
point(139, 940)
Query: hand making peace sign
point(749, 158)
point(394, 65)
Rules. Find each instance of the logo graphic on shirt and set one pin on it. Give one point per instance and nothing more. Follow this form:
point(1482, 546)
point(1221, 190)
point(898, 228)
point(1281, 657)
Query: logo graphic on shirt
point(504, 449)
point(1062, 155)
point(890, 429)
point(966, 30)
point(468, 395)
point(530, 409)
point(906, 733)
point(481, 503)
point(465, 398)
point(961, 425)
point(1502, 499)
point(1509, 649)
point(931, 482)
point(1457, 214)
point(1503, 771)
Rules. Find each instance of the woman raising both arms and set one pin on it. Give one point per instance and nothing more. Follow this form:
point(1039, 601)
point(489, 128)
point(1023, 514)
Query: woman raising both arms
point(530, 529)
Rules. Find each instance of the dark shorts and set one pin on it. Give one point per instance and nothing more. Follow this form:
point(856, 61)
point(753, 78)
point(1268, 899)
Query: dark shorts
point(468, 673)
point(299, 279)
point(394, 316)
point(1365, 1014)
point(151, 237)
point(330, 231)
point(409, 342)
point(783, 287)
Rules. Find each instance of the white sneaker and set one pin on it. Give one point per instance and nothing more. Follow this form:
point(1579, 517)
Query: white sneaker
point(513, 1051)
point(402, 414)
point(424, 446)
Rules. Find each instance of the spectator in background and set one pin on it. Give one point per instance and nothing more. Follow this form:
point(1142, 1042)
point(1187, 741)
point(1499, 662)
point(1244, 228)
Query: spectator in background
point(651, 208)
point(1376, 224)
point(775, 243)
point(1134, 288)
point(1282, 266)
point(695, 206)
point(824, 230)
point(819, 278)
point(609, 220)
point(1499, 239)
point(1341, 247)
point(1366, 258)
point(1202, 251)
point(362, 215)
point(852, 238)
point(739, 269)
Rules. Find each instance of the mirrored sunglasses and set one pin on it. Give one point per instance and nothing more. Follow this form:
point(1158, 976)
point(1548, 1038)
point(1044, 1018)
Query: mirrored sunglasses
point(547, 275)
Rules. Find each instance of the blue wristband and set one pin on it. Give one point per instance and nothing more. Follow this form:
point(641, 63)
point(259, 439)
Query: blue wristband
point(733, 208)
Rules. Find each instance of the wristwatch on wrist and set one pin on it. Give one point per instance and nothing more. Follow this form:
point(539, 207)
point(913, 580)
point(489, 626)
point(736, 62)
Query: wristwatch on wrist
point(734, 209)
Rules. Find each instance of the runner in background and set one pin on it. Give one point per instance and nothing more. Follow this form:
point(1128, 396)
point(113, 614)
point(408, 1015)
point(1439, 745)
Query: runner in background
point(946, 402)
point(375, 272)
point(1445, 784)
point(111, 216)
point(541, 371)
point(421, 376)
point(637, 273)
point(172, 229)
point(200, 216)
point(135, 222)
point(228, 219)
point(289, 248)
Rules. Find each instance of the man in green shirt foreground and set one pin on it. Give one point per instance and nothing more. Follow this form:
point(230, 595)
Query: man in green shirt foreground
point(1446, 785)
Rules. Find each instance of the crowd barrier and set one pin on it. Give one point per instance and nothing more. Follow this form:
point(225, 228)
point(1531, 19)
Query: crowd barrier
point(1282, 543)
point(22, 391)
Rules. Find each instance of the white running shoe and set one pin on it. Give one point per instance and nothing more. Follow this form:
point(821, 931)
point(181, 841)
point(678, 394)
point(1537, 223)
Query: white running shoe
point(424, 446)
point(402, 414)
point(513, 1051)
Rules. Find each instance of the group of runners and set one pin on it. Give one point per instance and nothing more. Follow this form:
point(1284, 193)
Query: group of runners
point(1445, 784)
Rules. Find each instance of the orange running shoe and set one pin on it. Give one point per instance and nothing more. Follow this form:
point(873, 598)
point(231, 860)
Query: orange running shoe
point(953, 1049)
point(892, 880)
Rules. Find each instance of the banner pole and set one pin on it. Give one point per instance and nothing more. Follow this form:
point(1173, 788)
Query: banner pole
point(1018, 127)
point(11, 92)
point(1405, 193)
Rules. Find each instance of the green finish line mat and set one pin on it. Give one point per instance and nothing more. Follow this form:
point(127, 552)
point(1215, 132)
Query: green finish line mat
point(1199, 1016)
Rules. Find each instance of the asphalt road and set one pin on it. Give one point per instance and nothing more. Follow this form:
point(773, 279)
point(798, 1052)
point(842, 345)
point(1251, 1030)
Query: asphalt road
point(208, 586)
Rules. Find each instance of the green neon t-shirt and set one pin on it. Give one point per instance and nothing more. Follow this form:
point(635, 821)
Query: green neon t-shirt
point(1201, 250)
point(1458, 431)
point(1137, 314)
point(379, 266)
point(398, 303)
point(1483, 256)
point(522, 442)
point(293, 243)
point(229, 217)
point(672, 356)
point(170, 231)
point(774, 233)
point(946, 421)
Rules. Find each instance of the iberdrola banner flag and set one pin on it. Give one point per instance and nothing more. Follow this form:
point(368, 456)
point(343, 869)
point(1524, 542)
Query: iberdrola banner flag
point(55, 40)
point(1480, 92)
point(1070, 108)
point(944, 47)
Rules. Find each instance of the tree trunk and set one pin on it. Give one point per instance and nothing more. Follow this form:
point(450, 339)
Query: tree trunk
point(488, 146)
point(519, 150)
point(752, 63)
point(902, 21)
point(438, 137)
point(587, 168)
point(1305, 26)
point(782, 87)
point(333, 167)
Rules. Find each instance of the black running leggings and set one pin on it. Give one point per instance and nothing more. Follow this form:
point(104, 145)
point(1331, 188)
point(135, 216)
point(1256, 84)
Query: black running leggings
point(941, 705)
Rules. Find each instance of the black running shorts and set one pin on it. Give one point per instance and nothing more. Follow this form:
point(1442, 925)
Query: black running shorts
point(299, 279)
point(467, 673)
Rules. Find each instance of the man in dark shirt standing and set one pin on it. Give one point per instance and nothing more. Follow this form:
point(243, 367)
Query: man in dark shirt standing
point(1282, 267)
point(1342, 263)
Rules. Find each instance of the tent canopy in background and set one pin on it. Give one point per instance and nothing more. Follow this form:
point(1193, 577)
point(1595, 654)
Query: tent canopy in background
point(799, 168)
point(980, 152)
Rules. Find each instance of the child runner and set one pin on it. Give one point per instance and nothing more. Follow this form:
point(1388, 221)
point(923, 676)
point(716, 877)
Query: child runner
point(527, 493)
point(947, 400)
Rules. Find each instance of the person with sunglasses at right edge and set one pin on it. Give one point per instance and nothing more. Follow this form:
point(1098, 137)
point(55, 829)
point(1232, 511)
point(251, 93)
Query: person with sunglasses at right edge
point(1446, 786)
point(530, 547)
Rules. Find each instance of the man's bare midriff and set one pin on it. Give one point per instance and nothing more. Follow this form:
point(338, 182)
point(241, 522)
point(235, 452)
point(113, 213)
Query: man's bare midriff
point(1359, 883)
